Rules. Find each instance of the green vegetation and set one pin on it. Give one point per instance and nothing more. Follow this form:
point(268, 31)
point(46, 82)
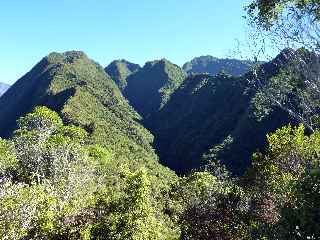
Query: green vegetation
point(76, 163)
point(294, 89)
point(120, 70)
point(213, 66)
point(214, 119)
point(284, 24)
point(150, 88)
point(88, 171)
point(283, 184)
point(83, 95)
point(267, 13)
point(57, 185)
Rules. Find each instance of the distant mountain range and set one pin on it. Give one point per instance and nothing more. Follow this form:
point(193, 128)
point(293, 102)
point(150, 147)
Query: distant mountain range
point(194, 118)
point(212, 65)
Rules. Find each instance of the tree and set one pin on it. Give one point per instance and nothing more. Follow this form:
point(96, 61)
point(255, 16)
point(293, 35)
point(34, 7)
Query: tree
point(288, 24)
point(293, 22)
point(295, 88)
point(133, 215)
point(48, 179)
point(209, 208)
point(283, 184)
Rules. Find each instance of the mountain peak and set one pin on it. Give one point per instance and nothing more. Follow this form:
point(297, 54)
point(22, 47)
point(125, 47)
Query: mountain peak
point(150, 88)
point(119, 70)
point(66, 57)
point(152, 63)
point(213, 65)
point(84, 95)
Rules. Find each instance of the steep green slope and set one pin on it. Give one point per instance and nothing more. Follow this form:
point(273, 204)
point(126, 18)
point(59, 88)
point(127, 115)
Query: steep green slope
point(213, 66)
point(119, 70)
point(150, 88)
point(217, 118)
point(84, 95)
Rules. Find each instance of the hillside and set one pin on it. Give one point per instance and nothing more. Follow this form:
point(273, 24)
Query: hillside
point(150, 88)
point(216, 118)
point(83, 94)
point(3, 88)
point(119, 70)
point(213, 66)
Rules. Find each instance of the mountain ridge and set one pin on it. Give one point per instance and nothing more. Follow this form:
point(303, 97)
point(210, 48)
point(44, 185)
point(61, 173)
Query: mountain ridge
point(84, 95)
point(212, 118)
point(150, 87)
point(213, 65)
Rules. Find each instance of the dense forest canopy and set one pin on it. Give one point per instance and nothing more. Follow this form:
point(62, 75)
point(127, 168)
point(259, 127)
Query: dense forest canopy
point(85, 151)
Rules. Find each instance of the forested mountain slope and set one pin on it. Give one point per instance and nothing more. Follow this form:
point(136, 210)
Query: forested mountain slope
point(119, 70)
point(219, 117)
point(150, 88)
point(84, 95)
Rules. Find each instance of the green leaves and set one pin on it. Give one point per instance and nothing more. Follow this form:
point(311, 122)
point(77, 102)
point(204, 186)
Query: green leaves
point(41, 119)
point(268, 11)
point(134, 215)
point(8, 160)
point(283, 185)
point(294, 90)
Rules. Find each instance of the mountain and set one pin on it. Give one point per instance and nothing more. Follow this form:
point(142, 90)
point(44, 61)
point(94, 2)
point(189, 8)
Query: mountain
point(3, 88)
point(213, 66)
point(215, 118)
point(84, 95)
point(119, 70)
point(150, 87)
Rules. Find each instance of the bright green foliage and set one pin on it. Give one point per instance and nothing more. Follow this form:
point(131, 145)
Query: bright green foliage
point(284, 185)
point(79, 164)
point(52, 177)
point(41, 119)
point(56, 186)
point(8, 160)
point(89, 171)
point(199, 185)
point(288, 155)
point(19, 208)
point(80, 91)
point(134, 215)
point(40, 142)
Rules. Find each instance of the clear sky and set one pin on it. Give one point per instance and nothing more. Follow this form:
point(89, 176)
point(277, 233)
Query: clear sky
point(137, 30)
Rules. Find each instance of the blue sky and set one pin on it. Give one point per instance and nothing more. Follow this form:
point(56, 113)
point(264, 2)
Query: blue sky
point(137, 30)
